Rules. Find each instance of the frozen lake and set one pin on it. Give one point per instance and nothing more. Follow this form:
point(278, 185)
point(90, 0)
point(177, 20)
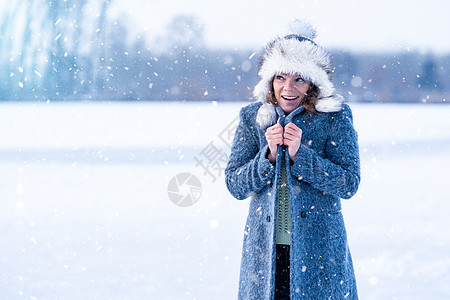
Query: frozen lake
point(85, 211)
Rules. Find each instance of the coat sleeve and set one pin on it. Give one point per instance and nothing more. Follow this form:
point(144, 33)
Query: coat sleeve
point(248, 170)
point(338, 173)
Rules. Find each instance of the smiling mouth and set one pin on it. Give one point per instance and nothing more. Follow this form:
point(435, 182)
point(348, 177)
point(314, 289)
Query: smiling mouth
point(289, 98)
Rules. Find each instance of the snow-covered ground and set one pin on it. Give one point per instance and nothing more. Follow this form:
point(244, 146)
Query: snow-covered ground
point(85, 211)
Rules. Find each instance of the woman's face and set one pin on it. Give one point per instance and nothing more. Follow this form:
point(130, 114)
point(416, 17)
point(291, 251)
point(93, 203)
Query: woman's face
point(289, 91)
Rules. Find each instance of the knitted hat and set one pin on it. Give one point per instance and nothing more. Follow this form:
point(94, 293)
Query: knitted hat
point(295, 52)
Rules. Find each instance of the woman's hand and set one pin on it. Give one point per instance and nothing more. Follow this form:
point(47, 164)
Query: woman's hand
point(292, 138)
point(274, 137)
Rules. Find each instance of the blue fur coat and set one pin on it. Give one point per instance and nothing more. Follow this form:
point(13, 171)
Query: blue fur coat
point(326, 169)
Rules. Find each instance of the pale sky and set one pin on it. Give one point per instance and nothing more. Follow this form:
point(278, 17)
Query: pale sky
point(382, 25)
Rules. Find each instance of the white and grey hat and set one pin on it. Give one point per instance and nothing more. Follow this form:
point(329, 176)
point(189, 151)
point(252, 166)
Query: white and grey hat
point(295, 52)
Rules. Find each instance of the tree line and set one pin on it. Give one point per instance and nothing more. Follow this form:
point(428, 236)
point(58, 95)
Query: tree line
point(73, 51)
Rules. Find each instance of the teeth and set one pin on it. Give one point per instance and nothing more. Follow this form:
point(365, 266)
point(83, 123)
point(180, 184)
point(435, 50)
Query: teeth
point(289, 98)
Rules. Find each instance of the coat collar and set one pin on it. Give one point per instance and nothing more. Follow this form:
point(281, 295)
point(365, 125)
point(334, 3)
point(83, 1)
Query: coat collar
point(286, 119)
point(268, 114)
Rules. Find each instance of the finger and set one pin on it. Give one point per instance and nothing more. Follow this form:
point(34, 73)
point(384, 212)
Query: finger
point(292, 126)
point(292, 134)
point(274, 136)
point(289, 130)
point(277, 127)
point(277, 140)
point(288, 137)
point(292, 139)
point(279, 135)
point(276, 133)
point(272, 130)
point(273, 133)
point(289, 140)
point(293, 131)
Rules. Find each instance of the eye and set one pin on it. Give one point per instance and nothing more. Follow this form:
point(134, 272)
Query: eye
point(279, 77)
point(299, 79)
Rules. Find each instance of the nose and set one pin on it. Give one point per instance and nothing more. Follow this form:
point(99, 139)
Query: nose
point(289, 84)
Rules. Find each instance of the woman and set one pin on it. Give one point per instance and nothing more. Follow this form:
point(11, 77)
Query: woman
point(295, 154)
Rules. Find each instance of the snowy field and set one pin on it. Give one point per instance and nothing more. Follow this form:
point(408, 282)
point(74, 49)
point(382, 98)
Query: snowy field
point(85, 211)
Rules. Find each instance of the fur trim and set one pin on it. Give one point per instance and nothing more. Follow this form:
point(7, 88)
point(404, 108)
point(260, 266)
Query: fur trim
point(266, 116)
point(331, 104)
point(291, 55)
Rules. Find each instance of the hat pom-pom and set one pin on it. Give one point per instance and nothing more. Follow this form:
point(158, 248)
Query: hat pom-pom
point(302, 28)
